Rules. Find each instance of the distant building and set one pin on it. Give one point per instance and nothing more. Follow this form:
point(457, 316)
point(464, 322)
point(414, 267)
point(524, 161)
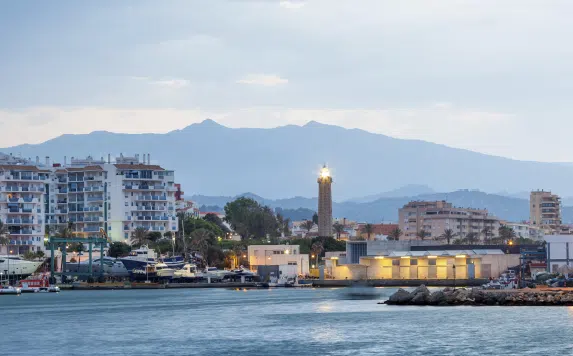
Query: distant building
point(379, 231)
point(545, 211)
point(278, 255)
point(525, 230)
point(435, 217)
point(324, 203)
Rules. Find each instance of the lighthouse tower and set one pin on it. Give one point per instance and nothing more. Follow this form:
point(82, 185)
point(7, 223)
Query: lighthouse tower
point(324, 203)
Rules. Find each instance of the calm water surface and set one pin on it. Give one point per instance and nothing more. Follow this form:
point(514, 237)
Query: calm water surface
point(269, 322)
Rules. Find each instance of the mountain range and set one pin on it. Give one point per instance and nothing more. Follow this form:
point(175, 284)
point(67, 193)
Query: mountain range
point(216, 160)
point(386, 209)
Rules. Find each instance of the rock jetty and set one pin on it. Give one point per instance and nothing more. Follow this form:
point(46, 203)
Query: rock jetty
point(479, 297)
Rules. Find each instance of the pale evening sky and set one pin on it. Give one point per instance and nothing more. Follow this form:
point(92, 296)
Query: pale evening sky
point(487, 75)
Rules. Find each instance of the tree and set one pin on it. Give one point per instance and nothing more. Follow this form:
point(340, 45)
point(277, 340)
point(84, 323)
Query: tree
point(487, 233)
point(395, 234)
point(316, 249)
point(422, 234)
point(251, 220)
point(472, 238)
point(4, 235)
point(338, 229)
point(448, 235)
point(284, 225)
point(40, 255)
point(307, 225)
point(139, 237)
point(118, 249)
point(315, 218)
point(367, 229)
point(506, 234)
point(214, 219)
point(200, 242)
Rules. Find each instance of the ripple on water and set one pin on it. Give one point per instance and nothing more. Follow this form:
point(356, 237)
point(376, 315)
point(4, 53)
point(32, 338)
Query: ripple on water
point(270, 322)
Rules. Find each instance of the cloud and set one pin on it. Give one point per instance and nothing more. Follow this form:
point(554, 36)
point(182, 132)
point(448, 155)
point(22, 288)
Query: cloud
point(166, 83)
point(292, 4)
point(262, 79)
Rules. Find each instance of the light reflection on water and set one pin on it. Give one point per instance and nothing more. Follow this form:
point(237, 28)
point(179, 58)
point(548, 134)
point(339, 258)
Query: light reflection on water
point(269, 322)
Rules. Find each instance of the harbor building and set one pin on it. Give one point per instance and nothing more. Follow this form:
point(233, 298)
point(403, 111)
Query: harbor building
point(559, 253)
point(435, 217)
point(287, 256)
point(22, 204)
point(418, 260)
point(545, 211)
point(324, 203)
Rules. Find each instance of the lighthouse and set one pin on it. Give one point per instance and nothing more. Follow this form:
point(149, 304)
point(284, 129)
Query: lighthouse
point(325, 203)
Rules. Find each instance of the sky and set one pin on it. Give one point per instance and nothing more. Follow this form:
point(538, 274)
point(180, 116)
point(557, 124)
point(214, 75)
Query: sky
point(486, 75)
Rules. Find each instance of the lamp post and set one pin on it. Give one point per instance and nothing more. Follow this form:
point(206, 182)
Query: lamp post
point(454, 266)
point(10, 252)
point(173, 239)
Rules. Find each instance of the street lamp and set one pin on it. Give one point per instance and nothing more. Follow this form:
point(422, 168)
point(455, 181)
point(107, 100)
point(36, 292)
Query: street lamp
point(454, 266)
point(9, 266)
point(173, 239)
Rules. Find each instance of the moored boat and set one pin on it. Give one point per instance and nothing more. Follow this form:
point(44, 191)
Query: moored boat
point(139, 259)
point(9, 290)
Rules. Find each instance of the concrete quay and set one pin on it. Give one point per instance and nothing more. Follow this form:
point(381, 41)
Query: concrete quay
point(402, 282)
point(128, 285)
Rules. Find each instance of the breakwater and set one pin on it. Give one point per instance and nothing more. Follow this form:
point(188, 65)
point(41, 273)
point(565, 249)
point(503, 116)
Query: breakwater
point(479, 297)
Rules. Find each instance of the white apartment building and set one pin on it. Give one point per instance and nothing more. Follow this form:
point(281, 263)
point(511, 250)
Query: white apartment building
point(22, 204)
point(525, 230)
point(88, 195)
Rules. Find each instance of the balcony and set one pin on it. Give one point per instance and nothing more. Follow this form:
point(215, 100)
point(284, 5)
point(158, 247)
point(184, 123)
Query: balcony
point(91, 229)
point(95, 198)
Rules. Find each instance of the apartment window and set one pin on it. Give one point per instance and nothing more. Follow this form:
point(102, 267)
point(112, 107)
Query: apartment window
point(292, 263)
point(127, 204)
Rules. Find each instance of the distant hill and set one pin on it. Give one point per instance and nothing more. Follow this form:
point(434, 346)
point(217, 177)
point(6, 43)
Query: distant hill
point(405, 191)
point(386, 209)
point(284, 161)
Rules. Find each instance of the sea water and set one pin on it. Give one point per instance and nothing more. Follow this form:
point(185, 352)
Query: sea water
point(269, 322)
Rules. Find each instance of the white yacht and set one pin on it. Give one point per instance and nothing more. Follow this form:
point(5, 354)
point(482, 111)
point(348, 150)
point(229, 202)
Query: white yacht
point(164, 271)
point(15, 265)
point(188, 271)
point(214, 273)
point(140, 258)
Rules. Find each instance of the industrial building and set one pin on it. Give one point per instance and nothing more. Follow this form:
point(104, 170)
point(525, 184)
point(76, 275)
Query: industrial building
point(278, 255)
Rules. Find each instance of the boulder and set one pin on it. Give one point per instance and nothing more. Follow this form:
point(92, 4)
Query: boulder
point(400, 297)
point(421, 290)
point(420, 299)
point(437, 298)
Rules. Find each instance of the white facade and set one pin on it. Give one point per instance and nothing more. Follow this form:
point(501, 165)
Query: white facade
point(278, 255)
point(117, 197)
point(22, 194)
point(525, 230)
point(559, 251)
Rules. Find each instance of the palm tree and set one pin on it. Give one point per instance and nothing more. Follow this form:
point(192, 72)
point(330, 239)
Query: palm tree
point(486, 231)
point(316, 249)
point(368, 229)
point(472, 237)
point(395, 234)
point(448, 235)
point(422, 234)
point(4, 236)
point(139, 237)
point(307, 225)
point(339, 229)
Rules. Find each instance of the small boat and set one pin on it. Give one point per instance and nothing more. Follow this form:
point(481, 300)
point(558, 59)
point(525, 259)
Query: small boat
point(37, 283)
point(188, 271)
point(164, 271)
point(144, 274)
point(362, 290)
point(9, 290)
